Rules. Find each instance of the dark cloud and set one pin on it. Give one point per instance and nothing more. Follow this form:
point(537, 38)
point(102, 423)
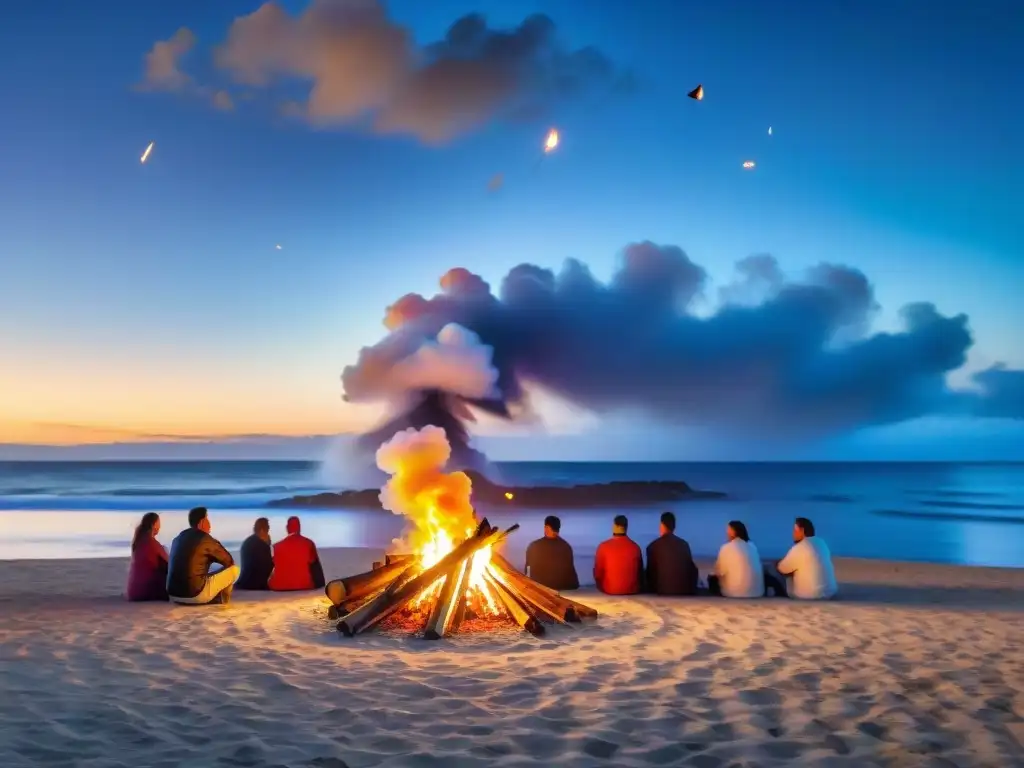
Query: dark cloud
point(791, 356)
point(362, 66)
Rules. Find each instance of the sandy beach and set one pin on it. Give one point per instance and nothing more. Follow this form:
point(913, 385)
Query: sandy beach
point(917, 665)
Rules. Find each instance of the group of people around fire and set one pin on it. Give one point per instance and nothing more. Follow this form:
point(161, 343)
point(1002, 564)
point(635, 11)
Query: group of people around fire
point(806, 572)
point(199, 570)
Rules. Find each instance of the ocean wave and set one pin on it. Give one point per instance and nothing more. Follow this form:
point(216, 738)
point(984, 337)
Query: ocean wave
point(972, 505)
point(127, 503)
point(832, 498)
point(949, 516)
point(956, 494)
point(156, 491)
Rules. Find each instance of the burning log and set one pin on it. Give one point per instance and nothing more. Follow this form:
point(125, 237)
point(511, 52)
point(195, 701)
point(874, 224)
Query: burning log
point(364, 584)
point(393, 598)
point(554, 606)
point(516, 609)
point(440, 598)
point(583, 611)
point(446, 607)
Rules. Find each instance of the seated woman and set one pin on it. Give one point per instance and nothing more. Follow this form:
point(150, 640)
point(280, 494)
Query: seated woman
point(738, 570)
point(147, 574)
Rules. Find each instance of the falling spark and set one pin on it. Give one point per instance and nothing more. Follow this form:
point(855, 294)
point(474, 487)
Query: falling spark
point(145, 155)
point(749, 164)
point(509, 496)
point(697, 93)
point(551, 142)
point(769, 130)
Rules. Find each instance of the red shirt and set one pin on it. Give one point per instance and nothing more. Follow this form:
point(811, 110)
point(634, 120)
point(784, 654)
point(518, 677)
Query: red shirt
point(293, 556)
point(147, 574)
point(618, 566)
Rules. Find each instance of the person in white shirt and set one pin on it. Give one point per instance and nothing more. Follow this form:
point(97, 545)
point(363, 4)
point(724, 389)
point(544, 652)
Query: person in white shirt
point(738, 570)
point(808, 565)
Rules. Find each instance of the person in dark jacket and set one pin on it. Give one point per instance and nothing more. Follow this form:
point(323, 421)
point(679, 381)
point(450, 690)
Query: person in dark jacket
point(619, 563)
point(296, 562)
point(257, 558)
point(549, 561)
point(193, 551)
point(670, 566)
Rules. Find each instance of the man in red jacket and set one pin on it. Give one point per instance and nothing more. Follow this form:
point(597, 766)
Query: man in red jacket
point(296, 562)
point(619, 564)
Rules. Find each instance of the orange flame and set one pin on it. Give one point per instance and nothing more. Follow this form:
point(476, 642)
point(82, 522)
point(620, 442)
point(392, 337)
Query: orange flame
point(436, 504)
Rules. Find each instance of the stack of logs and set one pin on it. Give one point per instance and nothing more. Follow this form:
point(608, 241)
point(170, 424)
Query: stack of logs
point(363, 601)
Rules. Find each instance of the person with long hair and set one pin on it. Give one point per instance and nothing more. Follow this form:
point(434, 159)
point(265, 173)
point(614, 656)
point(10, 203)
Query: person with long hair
point(147, 574)
point(738, 570)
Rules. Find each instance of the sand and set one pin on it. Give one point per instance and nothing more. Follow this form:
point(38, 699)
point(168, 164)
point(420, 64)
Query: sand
point(918, 665)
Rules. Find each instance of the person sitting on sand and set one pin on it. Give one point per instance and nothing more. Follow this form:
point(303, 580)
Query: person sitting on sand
point(257, 558)
point(619, 563)
point(549, 561)
point(193, 551)
point(147, 574)
point(670, 566)
point(738, 569)
point(296, 562)
point(808, 565)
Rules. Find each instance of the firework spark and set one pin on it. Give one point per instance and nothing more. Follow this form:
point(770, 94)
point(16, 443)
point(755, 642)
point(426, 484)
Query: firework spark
point(551, 142)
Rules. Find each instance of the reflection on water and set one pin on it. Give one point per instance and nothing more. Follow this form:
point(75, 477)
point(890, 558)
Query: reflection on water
point(849, 531)
point(863, 510)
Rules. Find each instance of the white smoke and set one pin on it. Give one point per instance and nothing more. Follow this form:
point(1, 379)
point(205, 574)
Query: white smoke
point(456, 362)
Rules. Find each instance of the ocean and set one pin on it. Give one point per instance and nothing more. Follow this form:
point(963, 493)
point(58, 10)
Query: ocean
point(937, 512)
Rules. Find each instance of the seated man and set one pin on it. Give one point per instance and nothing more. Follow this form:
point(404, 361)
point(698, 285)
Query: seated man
point(808, 565)
point(549, 560)
point(296, 562)
point(257, 558)
point(670, 566)
point(619, 563)
point(193, 551)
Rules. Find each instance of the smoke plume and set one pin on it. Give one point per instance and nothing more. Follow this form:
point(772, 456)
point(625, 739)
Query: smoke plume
point(780, 355)
point(359, 66)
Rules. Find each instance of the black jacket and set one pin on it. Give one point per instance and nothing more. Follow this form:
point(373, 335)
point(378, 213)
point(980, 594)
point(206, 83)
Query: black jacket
point(257, 563)
point(670, 567)
point(549, 562)
point(192, 554)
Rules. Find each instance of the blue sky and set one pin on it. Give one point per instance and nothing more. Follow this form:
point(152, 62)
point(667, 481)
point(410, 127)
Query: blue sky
point(152, 299)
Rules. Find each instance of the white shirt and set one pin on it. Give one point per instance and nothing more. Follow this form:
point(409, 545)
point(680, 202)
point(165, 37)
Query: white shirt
point(739, 569)
point(809, 564)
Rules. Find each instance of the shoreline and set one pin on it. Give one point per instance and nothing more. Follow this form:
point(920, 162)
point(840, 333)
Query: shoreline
point(914, 665)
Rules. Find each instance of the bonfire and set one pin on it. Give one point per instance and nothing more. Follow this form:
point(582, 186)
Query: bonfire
point(454, 575)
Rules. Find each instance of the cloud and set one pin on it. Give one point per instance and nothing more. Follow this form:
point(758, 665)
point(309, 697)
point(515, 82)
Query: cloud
point(222, 100)
point(362, 67)
point(779, 356)
point(162, 64)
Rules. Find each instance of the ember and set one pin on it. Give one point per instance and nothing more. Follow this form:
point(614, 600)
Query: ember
point(454, 579)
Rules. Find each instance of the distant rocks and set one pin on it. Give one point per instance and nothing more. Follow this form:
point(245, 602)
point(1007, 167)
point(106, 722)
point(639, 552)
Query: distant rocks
point(615, 494)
